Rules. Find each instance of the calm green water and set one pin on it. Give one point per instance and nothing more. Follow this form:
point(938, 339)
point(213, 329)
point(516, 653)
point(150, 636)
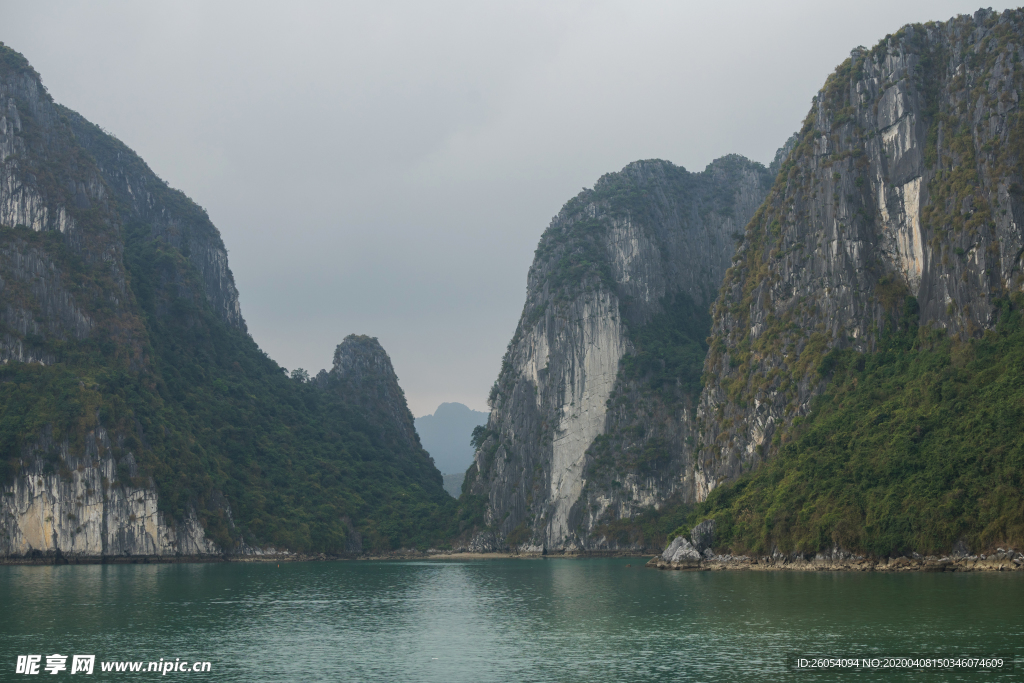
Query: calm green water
point(499, 620)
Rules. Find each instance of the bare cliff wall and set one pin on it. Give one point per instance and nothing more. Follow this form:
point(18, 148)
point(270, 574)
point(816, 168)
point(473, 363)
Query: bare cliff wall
point(906, 181)
point(63, 285)
point(614, 259)
point(92, 504)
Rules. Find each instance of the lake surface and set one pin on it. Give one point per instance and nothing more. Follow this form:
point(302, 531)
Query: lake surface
point(500, 620)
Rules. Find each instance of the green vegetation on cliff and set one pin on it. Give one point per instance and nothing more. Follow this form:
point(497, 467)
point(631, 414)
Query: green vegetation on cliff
point(124, 335)
point(298, 462)
point(911, 448)
point(213, 420)
point(670, 350)
point(661, 378)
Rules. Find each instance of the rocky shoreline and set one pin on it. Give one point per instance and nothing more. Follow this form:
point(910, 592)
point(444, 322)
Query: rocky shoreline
point(697, 555)
point(998, 562)
point(58, 558)
point(681, 554)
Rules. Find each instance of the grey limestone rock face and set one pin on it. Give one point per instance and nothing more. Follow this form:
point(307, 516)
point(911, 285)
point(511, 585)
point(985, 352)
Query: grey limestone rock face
point(611, 262)
point(22, 199)
point(97, 171)
point(84, 508)
point(687, 551)
point(906, 181)
point(703, 535)
point(36, 302)
point(681, 550)
point(143, 198)
point(47, 185)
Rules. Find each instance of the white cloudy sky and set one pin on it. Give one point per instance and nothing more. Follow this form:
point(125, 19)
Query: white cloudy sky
point(386, 168)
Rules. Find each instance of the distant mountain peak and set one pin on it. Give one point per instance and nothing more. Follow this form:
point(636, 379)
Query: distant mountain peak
point(453, 409)
point(446, 434)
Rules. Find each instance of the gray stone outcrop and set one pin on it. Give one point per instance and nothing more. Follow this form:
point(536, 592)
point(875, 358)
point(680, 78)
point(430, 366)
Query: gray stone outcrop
point(606, 266)
point(902, 183)
point(92, 505)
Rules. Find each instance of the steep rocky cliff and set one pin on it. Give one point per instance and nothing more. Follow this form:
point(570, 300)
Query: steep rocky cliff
point(905, 184)
point(64, 286)
point(167, 214)
point(77, 512)
point(63, 222)
point(137, 416)
point(609, 348)
point(857, 380)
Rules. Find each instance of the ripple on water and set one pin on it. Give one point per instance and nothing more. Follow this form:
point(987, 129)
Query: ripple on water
point(499, 620)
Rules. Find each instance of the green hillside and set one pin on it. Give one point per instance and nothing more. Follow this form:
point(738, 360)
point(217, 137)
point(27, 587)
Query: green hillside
point(165, 368)
point(911, 448)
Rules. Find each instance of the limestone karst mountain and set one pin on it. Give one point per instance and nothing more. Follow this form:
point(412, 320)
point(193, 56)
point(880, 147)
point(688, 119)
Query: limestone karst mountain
point(593, 413)
point(859, 382)
point(868, 332)
point(820, 355)
point(137, 416)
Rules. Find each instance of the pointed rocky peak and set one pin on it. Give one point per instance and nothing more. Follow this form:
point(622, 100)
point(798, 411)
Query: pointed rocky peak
point(362, 359)
point(363, 374)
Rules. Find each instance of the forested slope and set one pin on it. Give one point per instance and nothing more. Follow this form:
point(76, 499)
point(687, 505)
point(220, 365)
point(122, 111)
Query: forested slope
point(137, 416)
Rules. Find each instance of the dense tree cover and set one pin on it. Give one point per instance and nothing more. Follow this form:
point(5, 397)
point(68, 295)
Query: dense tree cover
point(215, 421)
point(220, 429)
point(911, 448)
point(650, 528)
point(298, 461)
point(217, 425)
point(669, 350)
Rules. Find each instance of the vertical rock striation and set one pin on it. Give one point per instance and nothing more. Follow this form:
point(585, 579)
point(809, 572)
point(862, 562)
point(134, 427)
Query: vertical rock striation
point(77, 510)
point(53, 195)
point(615, 261)
point(168, 215)
point(906, 183)
point(900, 198)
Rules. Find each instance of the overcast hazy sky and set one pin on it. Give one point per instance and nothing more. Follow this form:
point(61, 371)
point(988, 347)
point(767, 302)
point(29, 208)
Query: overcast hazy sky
point(387, 168)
